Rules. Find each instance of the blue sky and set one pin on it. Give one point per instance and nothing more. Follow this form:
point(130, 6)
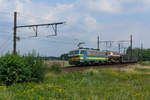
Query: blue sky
point(85, 19)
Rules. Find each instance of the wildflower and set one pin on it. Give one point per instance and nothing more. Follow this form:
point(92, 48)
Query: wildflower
point(60, 90)
point(38, 86)
point(41, 98)
point(134, 73)
point(137, 94)
point(115, 73)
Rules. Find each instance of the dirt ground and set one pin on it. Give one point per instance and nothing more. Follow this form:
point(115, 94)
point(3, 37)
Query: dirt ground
point(124, 67)
point(58, 62)
point(82, 68)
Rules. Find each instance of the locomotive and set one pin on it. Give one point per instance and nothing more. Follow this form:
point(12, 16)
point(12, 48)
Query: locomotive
point(86, 56)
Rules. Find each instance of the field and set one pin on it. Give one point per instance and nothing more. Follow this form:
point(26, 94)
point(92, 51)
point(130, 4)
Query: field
point(127, 83)
point(62, 63)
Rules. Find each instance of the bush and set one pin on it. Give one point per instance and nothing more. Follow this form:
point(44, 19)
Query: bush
point(37, 66)
point(19, 69)
point(13, 69)
point(145, 63)
point(55, 68)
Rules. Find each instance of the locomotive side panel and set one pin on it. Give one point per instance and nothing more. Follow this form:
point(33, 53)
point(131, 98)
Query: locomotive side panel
point(87, 57)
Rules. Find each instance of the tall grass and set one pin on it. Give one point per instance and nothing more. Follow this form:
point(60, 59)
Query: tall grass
point(142, 69)
point(89, 85)
point(55, 68)
point(145, 63)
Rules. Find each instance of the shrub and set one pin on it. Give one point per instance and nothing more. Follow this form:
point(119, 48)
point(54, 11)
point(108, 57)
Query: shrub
point(37, 66)
point(19, 69)
point(145, 63)
point(13, 69)
point(55, 68)
point(89, 72)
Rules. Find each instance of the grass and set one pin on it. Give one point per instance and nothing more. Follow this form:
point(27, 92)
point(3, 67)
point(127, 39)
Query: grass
point(142, 69)
point(145, 63)
point(93, 84)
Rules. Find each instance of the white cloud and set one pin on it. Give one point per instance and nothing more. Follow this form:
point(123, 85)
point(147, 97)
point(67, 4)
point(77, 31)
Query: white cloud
point(110, 6)
point(114, 6)
point(91, 25)
point(81, 17)
point(0, 1)
point(19, 6)
point(28, 1)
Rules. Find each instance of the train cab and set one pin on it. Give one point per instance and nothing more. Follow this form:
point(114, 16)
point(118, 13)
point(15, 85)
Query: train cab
point(76, 56)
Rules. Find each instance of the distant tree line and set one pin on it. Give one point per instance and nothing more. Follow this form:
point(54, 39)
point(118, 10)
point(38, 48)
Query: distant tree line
point(142, 54)
point(61, 57)
point(145, 54)
point(51, 58)
point(64, 56)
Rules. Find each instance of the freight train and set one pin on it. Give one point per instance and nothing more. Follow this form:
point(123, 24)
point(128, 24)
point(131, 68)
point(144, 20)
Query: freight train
point(86, 56)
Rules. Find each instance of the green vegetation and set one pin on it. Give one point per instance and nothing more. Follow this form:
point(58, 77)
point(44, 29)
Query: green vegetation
point(37, 66)
point(146, 54)
point(29, 78)
point(93, 84)
point(20, 69)
point(61, 57)
point(64, 56)
point(145, 63)
point(13, 69)
point(142, 69)
point(51, 58)
point(143, 55)
point(55, 68)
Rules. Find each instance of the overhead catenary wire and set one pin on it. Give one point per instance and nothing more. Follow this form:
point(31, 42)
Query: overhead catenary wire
point(5, 46)
point(4, 31)
point(25, 15)
point(5, 13)
point(37, 18)
point(28, 18)
point(10, 35)
point(4, 43)
point(59, 39)
point(54, 40)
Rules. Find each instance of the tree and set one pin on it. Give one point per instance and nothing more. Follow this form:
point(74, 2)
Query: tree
point(64, 56)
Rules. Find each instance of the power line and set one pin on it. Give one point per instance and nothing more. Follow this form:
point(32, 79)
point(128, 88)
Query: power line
point(3, 12)
point(30, 16)
point(54, 40)
point(4, 43)
point(35, 29)
point(5, 46)
point(8, 36)
point(2, 31)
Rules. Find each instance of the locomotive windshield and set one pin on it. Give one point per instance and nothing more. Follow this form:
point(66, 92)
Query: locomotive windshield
point(83, 52)
point(74, 52)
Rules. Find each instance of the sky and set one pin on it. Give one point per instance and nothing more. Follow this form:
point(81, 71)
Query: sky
point(84, 21)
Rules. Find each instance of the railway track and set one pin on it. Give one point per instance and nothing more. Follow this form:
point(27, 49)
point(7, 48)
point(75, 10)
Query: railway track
point(82, 68)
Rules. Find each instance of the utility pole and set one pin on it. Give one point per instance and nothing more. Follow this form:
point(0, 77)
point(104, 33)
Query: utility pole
point(124, 51)
point(141, 46)
point(131, 45)
point(15, 33)
point(119, 47)
point(98, 43)
point(35, 29)
point(141, 56)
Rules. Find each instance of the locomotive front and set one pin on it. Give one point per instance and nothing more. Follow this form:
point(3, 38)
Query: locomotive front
point(76, 57)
